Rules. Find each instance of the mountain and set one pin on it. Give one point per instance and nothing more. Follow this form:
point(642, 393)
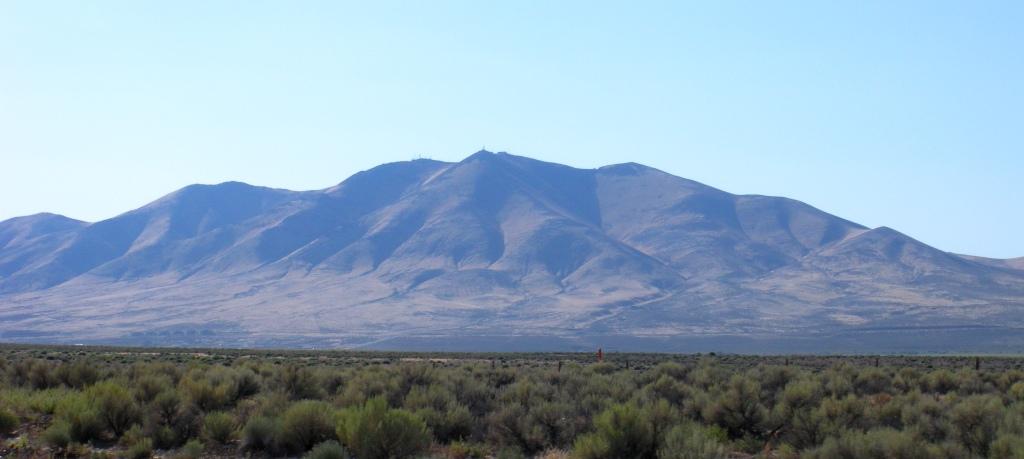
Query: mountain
point(498, 252)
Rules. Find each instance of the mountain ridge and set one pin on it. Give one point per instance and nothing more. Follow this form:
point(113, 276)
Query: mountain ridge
point(427, 251)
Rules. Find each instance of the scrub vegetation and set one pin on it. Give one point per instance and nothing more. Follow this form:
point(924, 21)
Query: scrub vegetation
point(191, 403)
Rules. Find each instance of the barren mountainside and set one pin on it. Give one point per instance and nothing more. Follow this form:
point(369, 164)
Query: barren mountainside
point(498, 251)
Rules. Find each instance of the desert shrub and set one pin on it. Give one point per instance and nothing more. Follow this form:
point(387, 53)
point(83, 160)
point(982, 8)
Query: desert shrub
point(837, 381)
point(691, 441)
point(939, 381)
point(451, 423)
point(673, 370)
point(40, 375)
point(462, 450)
point(437, 406)
point(218, 427)
point(907, 379)
point(307, 423)
point(872, 381)
point(58, 435)
point(148, 387)
point(164, 437)
point(187, 423)
point(414, 375)
point(115, 406)
point(738, 409)
point(142, 449)
point(27, 403)
point(332, 382)
point(327, 450)
point(78, 374)
point(798, 396)
point(670, 389)
point(884, 411)
point(299, 383)
point(974, 422)
point(773, 379)
point(374, 431)
point(1017, 391)
point(794, 415)
point(193, 449)
point(620, 431)
point(247, 383)
point(8, 421)
point(261, 434)
point(836, 415)
point(507, 427)
point(82, 418)
point(968, 382)
point(167, 405)
point(1007, 447)
point(207, 395)
point(925, 418)
point(660, 414)
point(367, 384)
point(875, 444)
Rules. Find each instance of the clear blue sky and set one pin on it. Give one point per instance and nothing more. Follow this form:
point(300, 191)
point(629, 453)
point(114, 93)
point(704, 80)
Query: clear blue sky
point(904, 114)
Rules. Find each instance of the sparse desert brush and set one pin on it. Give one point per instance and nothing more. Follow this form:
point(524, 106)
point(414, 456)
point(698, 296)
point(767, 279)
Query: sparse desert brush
point(337, 404)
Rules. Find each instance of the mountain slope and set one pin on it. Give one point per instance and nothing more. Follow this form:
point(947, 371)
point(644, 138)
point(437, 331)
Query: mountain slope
point(428, 253)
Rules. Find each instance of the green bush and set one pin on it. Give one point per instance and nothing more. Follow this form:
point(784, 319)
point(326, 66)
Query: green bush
point(691, 441)
point(115, 406)
point(621, 431)
point(875, 444)
point(142, 449)
point(1007, 447)
point(374, 431)
point(8, 421)
point(926, 418)
point(78, 375)
point(149, 386)
point(262, 434)
point(1017, 391)
point(81, 416)
point(872, 381)
point(300, 383)
point(462, 450)
point(193, 449)
point(306, 424)
point(166, 405)
point(738, 409)
point(327, 450)
point(58, 435)
point(218, 427)
point(164, 437)
point(974, 422)
point(208, 396)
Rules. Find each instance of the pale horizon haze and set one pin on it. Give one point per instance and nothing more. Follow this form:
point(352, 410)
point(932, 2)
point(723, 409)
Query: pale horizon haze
point(901, 114)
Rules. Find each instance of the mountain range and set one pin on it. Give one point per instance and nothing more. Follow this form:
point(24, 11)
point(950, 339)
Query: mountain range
point(499, 252)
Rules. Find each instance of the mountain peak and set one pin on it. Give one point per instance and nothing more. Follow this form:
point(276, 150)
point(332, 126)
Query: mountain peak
point(629, 168)
point(484, 155)
point(495, 242)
